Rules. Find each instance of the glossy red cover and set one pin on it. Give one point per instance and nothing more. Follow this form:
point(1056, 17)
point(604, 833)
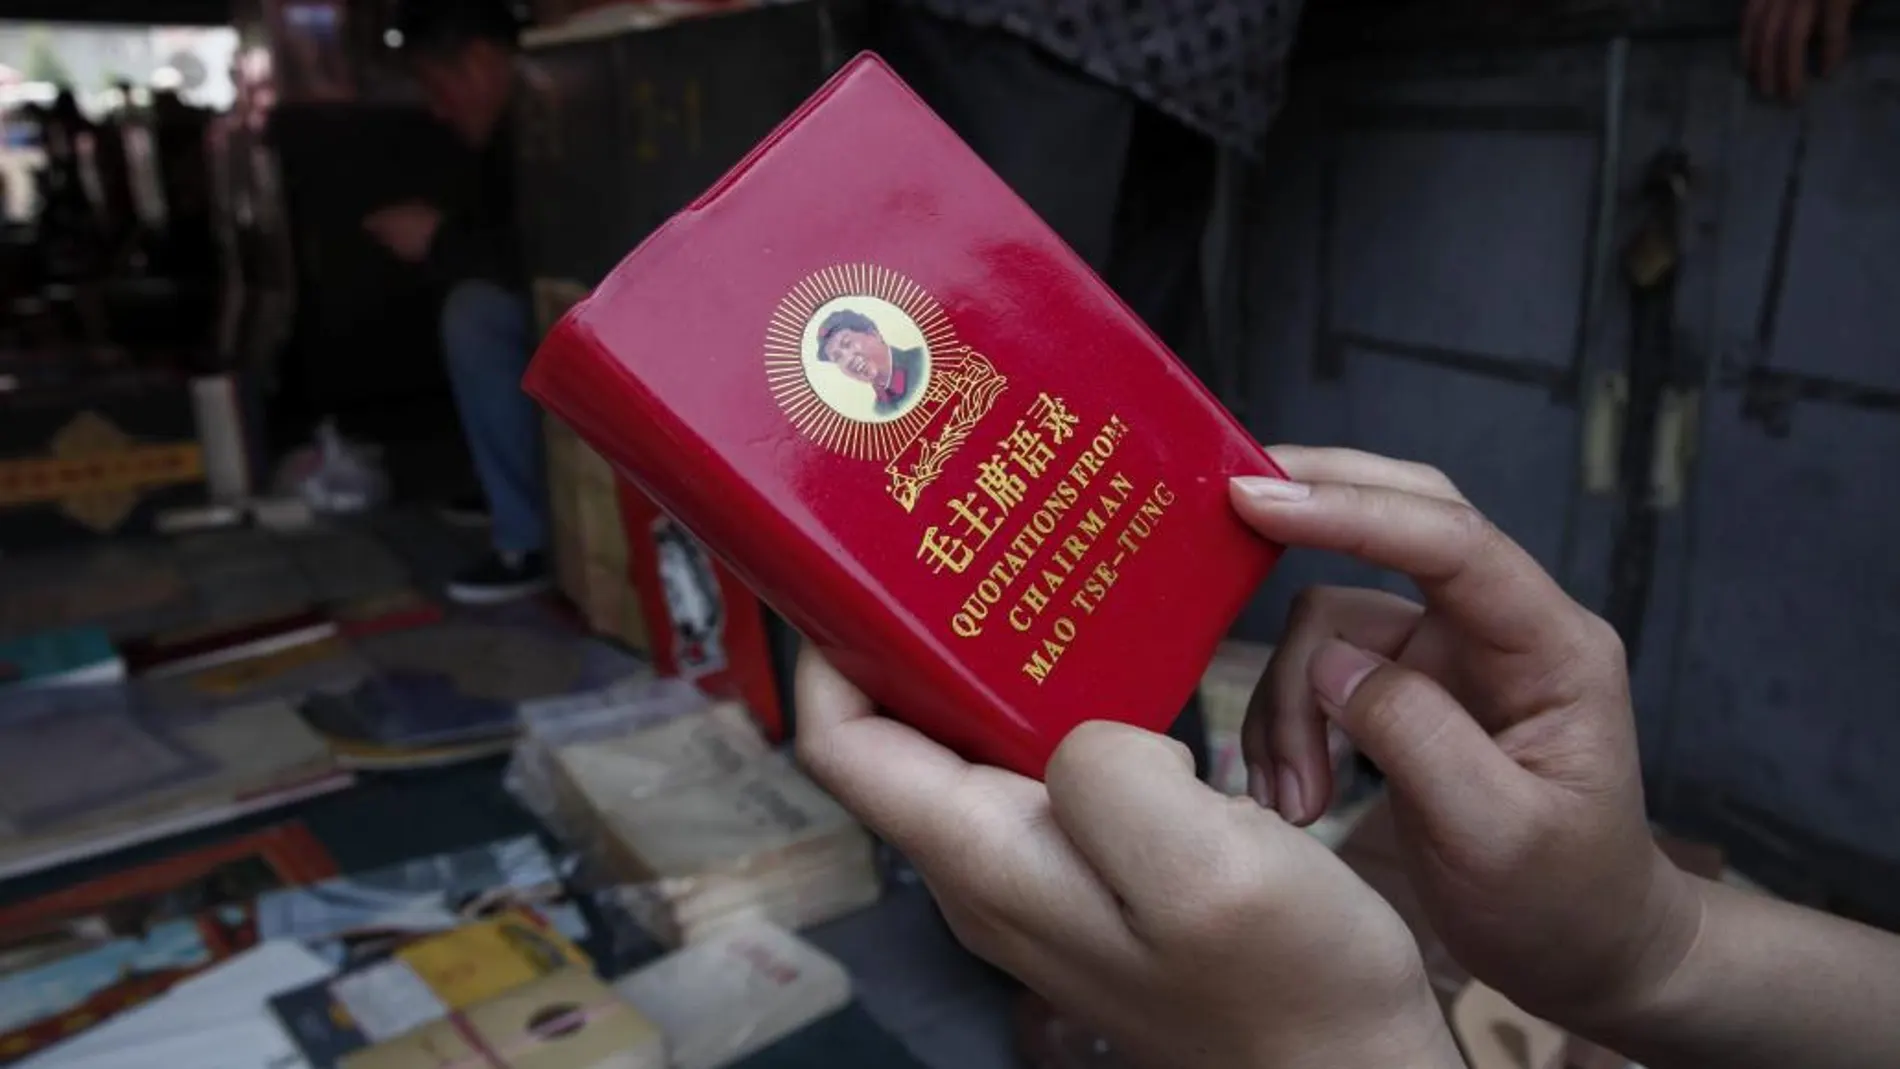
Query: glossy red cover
point(1013, 520)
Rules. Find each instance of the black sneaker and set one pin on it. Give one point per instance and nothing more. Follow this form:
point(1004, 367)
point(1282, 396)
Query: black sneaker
point(469, 510)
point(501, 577)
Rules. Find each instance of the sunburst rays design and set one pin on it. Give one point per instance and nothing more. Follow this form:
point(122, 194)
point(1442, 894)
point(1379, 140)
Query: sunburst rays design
point(785, 358)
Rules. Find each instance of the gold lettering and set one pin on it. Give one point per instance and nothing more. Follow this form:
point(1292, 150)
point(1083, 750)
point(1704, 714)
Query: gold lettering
point(944, 551)
point(1039, 546)
point(1043, 661)
point(1043, 522)
point(1026, 447)
point(1142, 524)
point(1004, 487)
point(1038, 667)
point(1034, 600)
point(975, 607)
point(1053, 416)
point(976, 518)
point(1029, 536)
point(1095, 587)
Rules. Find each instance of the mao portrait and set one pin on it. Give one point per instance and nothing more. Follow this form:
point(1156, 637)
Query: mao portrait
point(878, 372)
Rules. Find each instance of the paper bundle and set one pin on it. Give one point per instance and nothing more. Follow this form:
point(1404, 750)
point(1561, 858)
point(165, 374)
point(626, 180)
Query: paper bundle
point(745, 987)
point(706, 824)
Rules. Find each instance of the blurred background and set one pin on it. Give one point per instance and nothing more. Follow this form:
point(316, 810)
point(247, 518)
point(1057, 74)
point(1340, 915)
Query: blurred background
point(1624, 269)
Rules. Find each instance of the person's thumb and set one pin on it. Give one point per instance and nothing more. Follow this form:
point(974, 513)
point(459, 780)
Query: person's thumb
point(1435, 756)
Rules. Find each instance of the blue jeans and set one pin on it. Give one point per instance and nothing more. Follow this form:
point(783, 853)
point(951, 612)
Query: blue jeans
point(486, 333)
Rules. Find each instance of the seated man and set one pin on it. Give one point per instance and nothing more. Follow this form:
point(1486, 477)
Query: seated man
point(464, 57)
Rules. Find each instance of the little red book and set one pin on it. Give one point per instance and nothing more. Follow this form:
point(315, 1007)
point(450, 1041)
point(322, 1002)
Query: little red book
point(865, 374)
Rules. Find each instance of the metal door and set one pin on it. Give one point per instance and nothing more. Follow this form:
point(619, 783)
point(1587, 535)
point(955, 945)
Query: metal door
point(1424, 276)
point(1769, 675)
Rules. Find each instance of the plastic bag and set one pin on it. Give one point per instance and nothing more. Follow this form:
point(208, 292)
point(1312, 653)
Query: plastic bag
point(333, 475)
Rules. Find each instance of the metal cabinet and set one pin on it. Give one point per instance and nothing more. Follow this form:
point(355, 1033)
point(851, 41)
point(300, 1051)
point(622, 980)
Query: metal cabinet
point(1650, 324)
point(1423, 251)
point(1772, 680)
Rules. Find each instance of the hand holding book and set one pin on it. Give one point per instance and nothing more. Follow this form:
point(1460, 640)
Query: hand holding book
point(921, 429)
point(1194, 929)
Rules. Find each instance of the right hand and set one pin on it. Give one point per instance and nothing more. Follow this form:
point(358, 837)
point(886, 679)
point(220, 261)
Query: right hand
point(1198, 931)
point(1499, 711)
point(1777, 36)
point(407, 230)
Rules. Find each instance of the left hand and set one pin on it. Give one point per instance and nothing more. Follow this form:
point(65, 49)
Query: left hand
point(406, 230)
point(1777, 36)
point(1197, 931)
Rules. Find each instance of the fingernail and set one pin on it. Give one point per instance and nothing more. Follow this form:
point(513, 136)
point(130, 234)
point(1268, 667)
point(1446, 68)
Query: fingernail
point(1337, 669)
point(1260, 786)
point(1263, 488)
point(1292, 805)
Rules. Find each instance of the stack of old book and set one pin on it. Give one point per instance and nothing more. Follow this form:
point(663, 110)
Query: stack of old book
point(702, 823)
point(740, 990)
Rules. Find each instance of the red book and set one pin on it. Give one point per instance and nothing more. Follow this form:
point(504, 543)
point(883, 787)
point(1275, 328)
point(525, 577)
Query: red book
point(922, 429)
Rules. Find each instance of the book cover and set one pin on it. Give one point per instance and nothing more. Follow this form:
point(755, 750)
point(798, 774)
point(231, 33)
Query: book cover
point(188, 650)
point(66, 656)
point(421, 982)
point(46, 733)
point(566, 1020)
point(868, 376)
point(255, 758)
point(464, 680)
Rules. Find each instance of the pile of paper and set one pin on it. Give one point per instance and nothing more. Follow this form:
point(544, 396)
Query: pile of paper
point(703, 823)
point(216, 1020)
point(745, 987)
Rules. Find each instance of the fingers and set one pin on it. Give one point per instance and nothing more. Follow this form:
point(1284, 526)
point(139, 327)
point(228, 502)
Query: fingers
point(1835, 17)
point(1754, 20)
point(1469, 570)
point(983, 838)
point(1315, 465)
point(1284, 736)
point(1766, 63)
point(1432, 752)
point(1758, 37)
point(886, 773)
point(1156, 836)
point(1797, 31)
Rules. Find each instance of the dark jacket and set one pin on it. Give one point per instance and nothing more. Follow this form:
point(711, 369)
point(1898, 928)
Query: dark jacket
point(479, 237)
